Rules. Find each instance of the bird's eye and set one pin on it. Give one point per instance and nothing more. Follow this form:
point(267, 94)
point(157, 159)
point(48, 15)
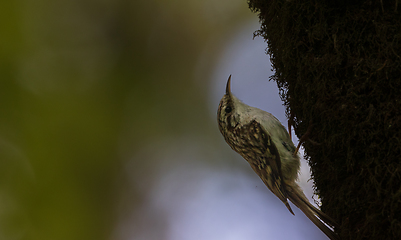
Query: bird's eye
point(228, 109)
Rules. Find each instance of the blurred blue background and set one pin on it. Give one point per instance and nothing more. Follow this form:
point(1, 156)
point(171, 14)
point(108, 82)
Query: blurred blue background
point(108, 123)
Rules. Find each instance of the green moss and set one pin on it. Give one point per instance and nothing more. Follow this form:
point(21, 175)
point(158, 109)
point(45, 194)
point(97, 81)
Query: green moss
point(339, 67)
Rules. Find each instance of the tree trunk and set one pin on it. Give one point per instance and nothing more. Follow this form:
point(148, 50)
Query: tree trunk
point(338, 67)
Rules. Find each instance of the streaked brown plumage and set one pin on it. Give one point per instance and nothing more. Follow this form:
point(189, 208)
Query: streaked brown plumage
point(266, 145)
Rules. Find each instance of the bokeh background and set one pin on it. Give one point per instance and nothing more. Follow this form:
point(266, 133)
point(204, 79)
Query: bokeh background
point(108, 122)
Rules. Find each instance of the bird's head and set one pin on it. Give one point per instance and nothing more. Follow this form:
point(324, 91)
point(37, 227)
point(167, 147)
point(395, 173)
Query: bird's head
point(229, 111)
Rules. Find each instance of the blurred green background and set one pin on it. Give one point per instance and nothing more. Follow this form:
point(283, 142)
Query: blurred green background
point(90, 93)
point(108, 123)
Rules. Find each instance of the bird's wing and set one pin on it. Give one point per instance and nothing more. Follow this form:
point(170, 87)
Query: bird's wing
point(268, 167)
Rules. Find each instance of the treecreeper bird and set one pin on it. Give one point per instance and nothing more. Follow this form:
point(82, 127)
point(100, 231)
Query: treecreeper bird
point(262, 140)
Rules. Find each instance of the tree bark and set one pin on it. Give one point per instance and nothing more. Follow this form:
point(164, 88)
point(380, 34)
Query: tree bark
point(338, 67)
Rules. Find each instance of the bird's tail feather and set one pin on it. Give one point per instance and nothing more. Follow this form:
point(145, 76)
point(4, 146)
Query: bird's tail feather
point(319, 218)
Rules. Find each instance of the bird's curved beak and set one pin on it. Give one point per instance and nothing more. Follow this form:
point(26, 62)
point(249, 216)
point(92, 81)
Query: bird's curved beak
point(228, 87)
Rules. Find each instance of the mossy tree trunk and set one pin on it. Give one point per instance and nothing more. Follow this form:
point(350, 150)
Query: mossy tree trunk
point(338, 66)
